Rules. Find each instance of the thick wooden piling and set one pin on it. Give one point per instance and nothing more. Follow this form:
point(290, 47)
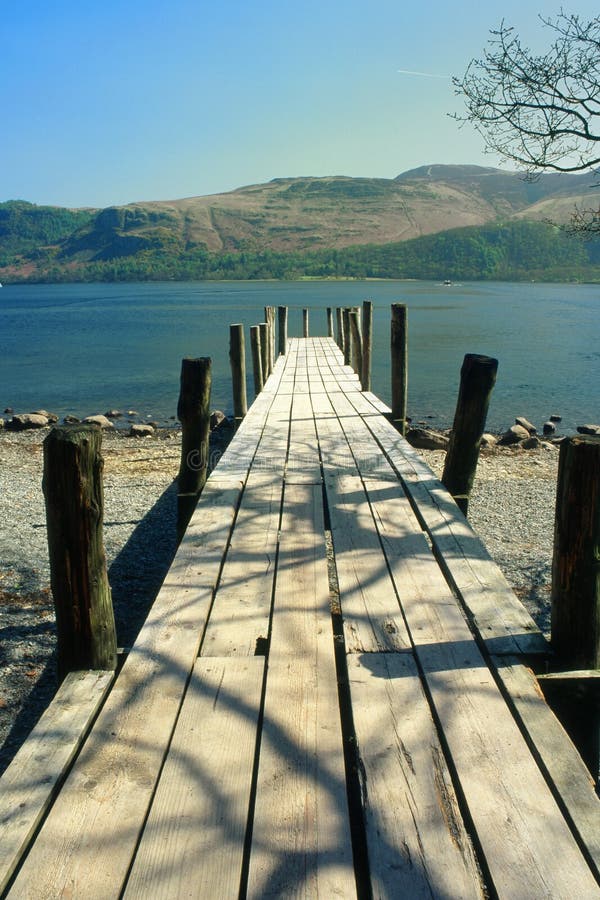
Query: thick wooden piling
point(399, 350)
point(367, 344)
point(356, 339)
point(237, 358)
point(264, 348)
point(576, 566)
point(329, 322)
point(256, 359)
point(282, 320)
point(305, 323)
point(73, 490)
point(193, 411)
point(339, 318)
point(477, 379)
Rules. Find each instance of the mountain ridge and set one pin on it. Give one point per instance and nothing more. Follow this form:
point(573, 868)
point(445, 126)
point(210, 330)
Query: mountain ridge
point(285, 215)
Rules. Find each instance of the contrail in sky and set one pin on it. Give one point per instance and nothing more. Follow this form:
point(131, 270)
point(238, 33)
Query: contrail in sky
point(421, 74)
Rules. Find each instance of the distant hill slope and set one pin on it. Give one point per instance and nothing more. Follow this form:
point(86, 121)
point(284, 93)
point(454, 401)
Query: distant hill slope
point(284, 215)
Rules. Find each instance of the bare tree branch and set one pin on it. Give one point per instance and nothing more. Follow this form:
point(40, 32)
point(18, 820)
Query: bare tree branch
point(542, 112)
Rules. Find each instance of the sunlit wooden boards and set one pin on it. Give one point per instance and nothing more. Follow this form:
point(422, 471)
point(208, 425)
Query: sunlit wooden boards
point(29, 785)
point(417, 842)
point(193, 841)
point(86, 844)
point(217, 768)
point(301, 844)
point(475, 721)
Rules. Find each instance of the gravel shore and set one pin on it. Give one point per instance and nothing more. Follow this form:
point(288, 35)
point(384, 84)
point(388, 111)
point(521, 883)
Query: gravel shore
point(512, 508)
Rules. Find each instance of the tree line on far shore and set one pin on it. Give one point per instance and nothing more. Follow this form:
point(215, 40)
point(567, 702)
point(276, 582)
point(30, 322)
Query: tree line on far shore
point(513, 251)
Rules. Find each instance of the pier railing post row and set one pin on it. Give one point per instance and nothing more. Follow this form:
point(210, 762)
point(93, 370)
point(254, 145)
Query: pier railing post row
point(367, 344)
point(193, 411)
point(74, 494)
point(282, 320)
point(575, 612)
point(237, 358)
point(477, 380)
point(356, 340)
point(305, 323)
point(339, 318)
point(399, 353)
point(256, 359)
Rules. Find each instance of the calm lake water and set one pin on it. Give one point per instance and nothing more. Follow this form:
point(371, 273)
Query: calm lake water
point(84, 349)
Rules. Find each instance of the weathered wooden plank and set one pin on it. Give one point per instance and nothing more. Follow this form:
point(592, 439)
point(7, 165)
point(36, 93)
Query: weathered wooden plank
point(371, 613)
point(301, 839)
point(89, 836)
point(31, 781)
point(239, 621)
point(417, 842)
point(193, 841)
point(512, 809)
point(559, 758)
point(500, 618)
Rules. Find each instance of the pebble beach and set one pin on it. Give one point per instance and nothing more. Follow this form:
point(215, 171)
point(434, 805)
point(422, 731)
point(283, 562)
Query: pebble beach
point(512, 508)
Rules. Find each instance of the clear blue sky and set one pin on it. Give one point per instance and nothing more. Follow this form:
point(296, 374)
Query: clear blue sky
point(123, 100)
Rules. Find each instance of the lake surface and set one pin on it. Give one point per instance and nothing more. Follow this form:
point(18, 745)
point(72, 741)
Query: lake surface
point(87, 348)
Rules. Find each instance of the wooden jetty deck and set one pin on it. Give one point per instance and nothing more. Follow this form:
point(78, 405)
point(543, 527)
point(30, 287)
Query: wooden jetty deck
point(329, 697)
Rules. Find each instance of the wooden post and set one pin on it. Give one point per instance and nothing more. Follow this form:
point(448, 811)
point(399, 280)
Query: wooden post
point(477, 379)
point(356, 340)
point(237, 358)
point(193, 411)
point(282, 316)
point(367, 344)
point(72, 485)
point(272, 344)
point(329, 322)
point(270, 320)
point(339, 316)
point(256, 359)
point(305, 323)
point(347, 339)
point(399, 347)
point(264, 348)
point(575, 566)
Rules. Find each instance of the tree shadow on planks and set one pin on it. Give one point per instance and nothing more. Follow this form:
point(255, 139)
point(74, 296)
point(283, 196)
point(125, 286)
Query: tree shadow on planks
point(138, 571)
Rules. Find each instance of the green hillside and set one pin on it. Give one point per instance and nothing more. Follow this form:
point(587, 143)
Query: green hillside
point(446, 222)
point(513, 251)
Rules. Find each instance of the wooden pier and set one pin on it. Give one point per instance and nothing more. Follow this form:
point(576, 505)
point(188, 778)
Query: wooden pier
point(330, 696)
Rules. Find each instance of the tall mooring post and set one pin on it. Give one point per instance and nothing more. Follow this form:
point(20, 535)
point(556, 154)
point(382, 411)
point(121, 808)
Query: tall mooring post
point(305, 323)
point(339, 319)
point(367, 344)
point(74, 494)
point(576, 560)
point(329, 322)
point(356, 341)
point(264, 348)
point(477, 379)
point(256, 359)
point(282, 321)
point(270, 320)
point(399, 351)
point(193, 411)
point(237, 358)
point(347, 338)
